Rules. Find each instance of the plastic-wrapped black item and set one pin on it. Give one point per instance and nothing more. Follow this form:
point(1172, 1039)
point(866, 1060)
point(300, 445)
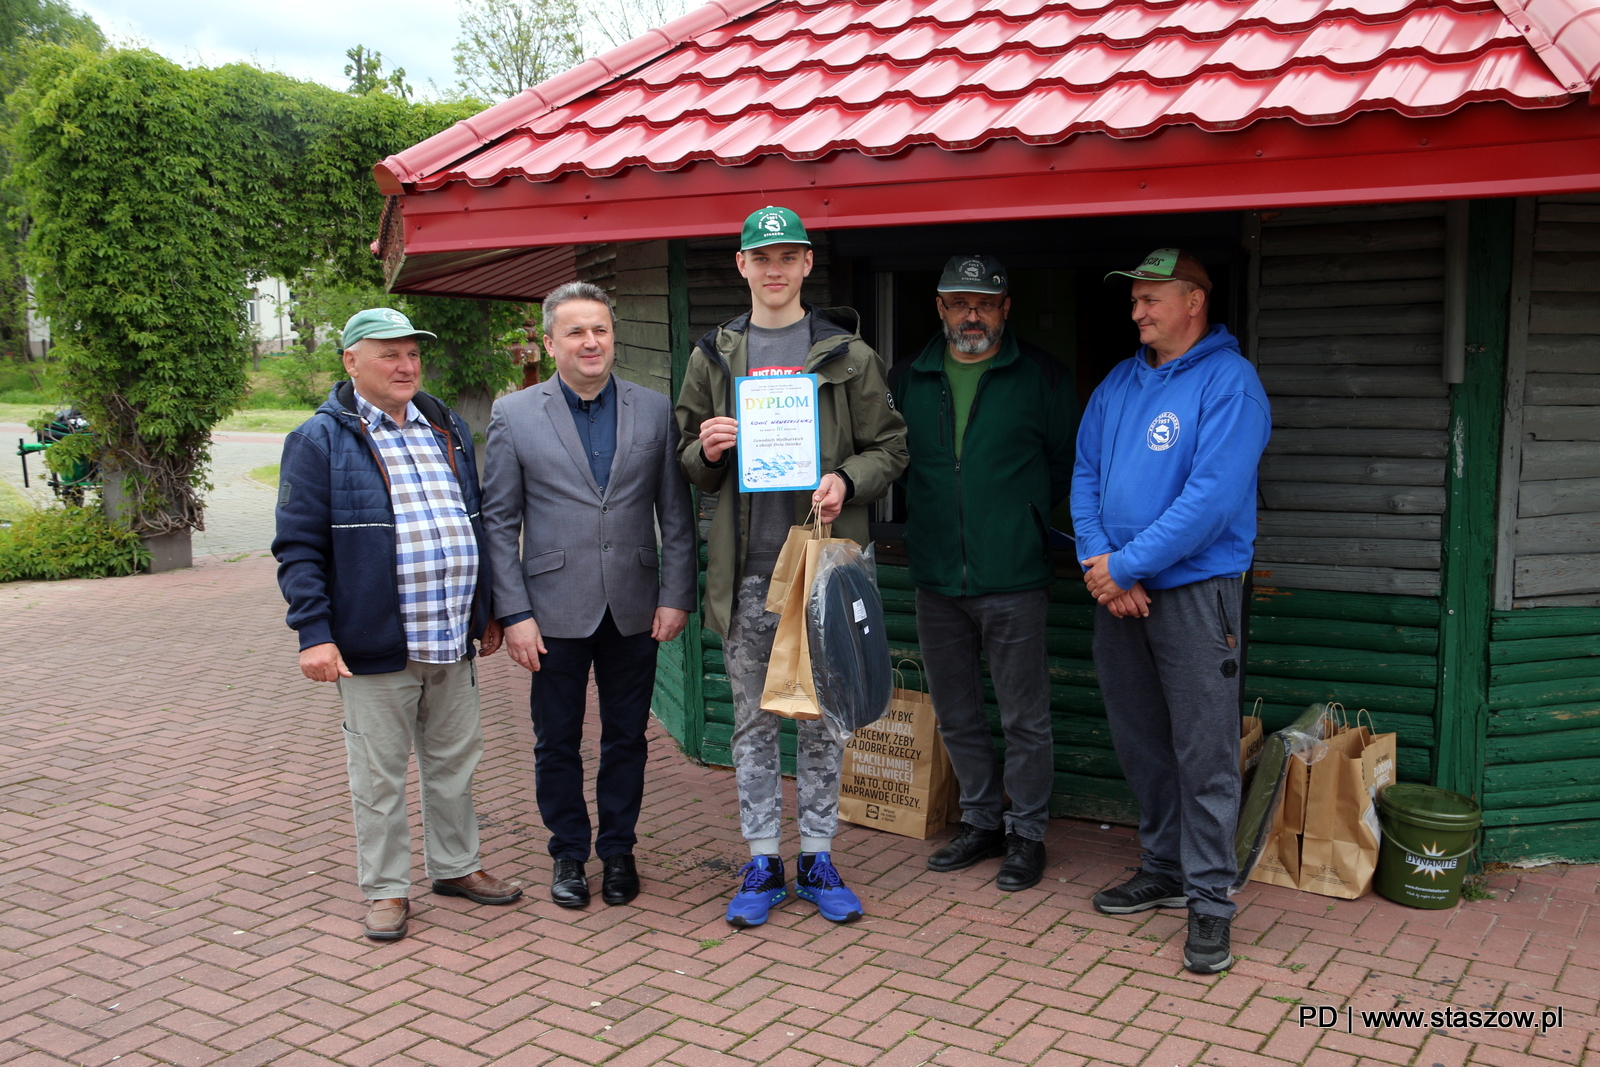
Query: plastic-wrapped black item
point(1301, 739)
point(849, 645)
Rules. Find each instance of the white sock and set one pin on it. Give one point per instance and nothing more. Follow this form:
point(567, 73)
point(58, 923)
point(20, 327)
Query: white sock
point(766, 846)
point(812, 845)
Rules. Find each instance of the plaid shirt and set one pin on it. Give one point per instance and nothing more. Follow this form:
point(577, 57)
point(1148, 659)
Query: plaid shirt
point(436, 554)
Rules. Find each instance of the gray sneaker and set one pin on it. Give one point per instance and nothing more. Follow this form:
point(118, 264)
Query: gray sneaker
point(1141, 893)
point(1208, 950)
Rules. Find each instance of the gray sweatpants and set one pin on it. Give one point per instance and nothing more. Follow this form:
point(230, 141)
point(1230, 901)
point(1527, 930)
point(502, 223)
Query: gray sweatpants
point(1009, 628)
point(434, 707)
point(1171, 687)
point(818, 756)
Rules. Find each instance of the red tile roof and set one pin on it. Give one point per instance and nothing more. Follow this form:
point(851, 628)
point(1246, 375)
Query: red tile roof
point(739, 79)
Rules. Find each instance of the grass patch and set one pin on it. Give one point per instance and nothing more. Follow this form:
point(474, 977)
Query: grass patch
point(1476, 889)
point(24, 413)
point(265, 420)
point(267, 475)
point(13, 505)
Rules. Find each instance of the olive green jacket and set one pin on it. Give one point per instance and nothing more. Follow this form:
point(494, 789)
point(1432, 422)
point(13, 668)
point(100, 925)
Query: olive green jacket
point(861, 434)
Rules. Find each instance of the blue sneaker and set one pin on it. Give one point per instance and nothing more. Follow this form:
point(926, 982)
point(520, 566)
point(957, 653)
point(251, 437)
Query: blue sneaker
point(818, 881)
point(761, 888)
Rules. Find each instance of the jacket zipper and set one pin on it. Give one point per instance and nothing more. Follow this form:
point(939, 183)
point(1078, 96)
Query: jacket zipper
point(947, 411)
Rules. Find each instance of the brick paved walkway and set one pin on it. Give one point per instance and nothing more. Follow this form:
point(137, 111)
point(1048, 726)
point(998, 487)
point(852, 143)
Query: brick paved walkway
point(176, 886)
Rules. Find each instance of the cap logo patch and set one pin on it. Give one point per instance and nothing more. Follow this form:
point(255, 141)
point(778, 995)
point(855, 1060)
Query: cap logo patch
point(772, 224)
point(971, 269)
point(1163, 432)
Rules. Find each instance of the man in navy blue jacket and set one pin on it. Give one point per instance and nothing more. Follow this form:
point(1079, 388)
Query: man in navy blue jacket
point(379, 550)
point(1163, 502)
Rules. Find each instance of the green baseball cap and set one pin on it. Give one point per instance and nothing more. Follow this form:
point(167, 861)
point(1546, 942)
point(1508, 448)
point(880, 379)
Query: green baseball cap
point(973, 274)
point(772, 226)
point(382, 323)
point(1167, 265)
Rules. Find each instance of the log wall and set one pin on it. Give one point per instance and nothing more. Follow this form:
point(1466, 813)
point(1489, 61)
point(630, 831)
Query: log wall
point(1347, 319)
point(1541, 787)
point(1550, 515)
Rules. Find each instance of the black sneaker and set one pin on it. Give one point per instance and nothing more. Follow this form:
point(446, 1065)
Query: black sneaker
point(1141, 893)
point(1208, 951)
point(969, 846)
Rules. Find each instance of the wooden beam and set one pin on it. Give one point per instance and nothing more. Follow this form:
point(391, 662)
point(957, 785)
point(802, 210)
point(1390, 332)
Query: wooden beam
point(1415, 444)
point(1558, 496)
point(1467, 573)
point(1351, 267)
point(1347, 551)
point(1352, 470)
point(1349, 579)
point(1569, 353)
point(1543, 460)
point(1511, 445)
point(1347, 524)
point(1396, 351)
point(1396, 500)
point(1558, 575)
point(1343, 380)
point(1341, 237)
point(1317, 412)
point(1553, 534)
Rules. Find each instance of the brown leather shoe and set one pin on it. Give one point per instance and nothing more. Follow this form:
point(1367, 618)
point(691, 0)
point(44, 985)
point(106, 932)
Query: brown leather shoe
point(386, 919)
point(480, 887)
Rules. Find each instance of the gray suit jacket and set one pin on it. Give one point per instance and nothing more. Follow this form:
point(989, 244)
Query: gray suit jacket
point(584, 551)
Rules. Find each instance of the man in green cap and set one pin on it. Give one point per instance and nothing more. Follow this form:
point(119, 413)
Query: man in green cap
point(863, 451)
point(990, 420)
point(379, 545)
point(1164, 506)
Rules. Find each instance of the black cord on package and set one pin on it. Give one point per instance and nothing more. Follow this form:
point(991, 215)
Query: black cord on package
point(849, 645)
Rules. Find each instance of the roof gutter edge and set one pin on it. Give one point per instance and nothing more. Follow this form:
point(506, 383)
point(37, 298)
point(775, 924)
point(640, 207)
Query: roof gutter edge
point(398, 171)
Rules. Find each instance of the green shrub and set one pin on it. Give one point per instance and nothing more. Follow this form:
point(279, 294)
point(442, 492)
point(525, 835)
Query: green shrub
point(68, 542)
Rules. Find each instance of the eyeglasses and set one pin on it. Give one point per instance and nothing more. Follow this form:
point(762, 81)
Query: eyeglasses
point(961, 307)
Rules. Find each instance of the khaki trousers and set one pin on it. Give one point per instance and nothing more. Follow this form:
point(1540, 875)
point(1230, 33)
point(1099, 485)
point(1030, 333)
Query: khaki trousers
point(434, 708)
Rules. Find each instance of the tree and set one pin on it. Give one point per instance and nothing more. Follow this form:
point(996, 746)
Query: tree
point(506, 46)
point(620, 21)
point(365, 71)
point(24, 25)
point(155, 194)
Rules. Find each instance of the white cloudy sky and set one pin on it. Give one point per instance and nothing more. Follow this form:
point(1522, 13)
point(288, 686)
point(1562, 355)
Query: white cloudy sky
point(302, 38)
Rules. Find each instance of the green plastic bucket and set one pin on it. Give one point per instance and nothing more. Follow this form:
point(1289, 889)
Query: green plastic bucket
point(1428, 833)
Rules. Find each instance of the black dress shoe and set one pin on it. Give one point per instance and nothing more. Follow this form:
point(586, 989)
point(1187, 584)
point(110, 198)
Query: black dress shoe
point(968, 847)
point(570, 886)
point(1023, 866)
point(619, 883)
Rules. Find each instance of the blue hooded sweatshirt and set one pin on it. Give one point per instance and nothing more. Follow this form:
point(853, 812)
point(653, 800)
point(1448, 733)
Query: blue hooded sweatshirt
point(1166, 474)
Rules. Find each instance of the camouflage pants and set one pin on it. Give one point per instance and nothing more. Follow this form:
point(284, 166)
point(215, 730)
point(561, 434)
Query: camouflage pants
point(818, 757)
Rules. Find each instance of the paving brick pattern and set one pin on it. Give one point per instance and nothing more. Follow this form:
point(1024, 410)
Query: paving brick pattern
point(176, 889)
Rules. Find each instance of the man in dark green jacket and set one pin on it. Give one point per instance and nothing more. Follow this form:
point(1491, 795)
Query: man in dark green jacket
point(990, 423)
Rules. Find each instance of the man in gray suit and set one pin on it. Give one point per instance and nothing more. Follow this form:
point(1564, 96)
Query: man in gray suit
point(584, 468)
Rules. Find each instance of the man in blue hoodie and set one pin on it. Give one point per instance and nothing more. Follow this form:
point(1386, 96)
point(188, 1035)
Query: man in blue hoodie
point(1163, 502)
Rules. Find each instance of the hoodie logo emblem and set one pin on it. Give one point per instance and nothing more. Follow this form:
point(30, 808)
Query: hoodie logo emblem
point(1163, 432)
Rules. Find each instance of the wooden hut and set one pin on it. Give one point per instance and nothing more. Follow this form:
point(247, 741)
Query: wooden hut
point(1398, 201)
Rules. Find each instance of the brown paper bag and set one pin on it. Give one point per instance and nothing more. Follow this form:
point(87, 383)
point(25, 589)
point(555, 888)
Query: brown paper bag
point(1280, 855)
point(1251, 738)
point(789, 690)
point(1339, 844)
point(897, 775)
point(790, 559)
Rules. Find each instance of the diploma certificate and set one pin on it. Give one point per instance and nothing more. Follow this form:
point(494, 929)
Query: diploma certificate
point(779, 448)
